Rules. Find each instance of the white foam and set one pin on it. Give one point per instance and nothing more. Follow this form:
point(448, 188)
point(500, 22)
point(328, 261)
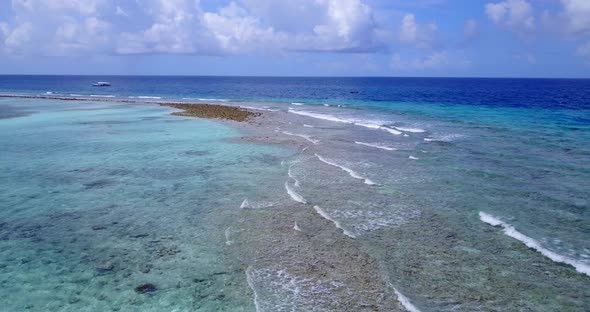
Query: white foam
point(48, 92)
point(443, 138)
point(351, 172)
point(149, 97)
point(76, 94)
point(276, 289)
point(246, 204)
point(297, 104)
point(260, 108)
point(102, 96)
point(325, 215)
point(534, 244)
point(413, 157)
point(371, 124)
point(250, 280)
point(375, 145)
point(413, 130)
point(205, 99)
point(318, 116)
point(307, 137)
point(392, 131)
point(404, 301)
point(293, 177)
point(296, 227)
point(294, 195)
point(308, 126)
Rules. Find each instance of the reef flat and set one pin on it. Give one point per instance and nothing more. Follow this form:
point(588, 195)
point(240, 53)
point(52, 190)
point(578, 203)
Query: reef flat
point(212, 111)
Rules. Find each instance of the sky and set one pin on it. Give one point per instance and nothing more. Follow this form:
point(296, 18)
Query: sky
point(434, 38)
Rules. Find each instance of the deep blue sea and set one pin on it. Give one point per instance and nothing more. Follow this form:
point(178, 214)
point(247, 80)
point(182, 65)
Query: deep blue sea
point(347, 194)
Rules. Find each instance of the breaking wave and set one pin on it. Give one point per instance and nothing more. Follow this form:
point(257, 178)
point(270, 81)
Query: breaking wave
point(371, 124)
point(376, 145)
point(404, 301)
point(534, 244)
point(325, 215)
point(351, 172)
point(294, 195)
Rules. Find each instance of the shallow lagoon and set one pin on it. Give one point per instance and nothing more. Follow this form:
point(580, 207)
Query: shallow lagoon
point(98, 198)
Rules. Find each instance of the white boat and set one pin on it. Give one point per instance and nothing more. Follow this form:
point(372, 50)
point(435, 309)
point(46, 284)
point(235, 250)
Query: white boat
point(102, 84)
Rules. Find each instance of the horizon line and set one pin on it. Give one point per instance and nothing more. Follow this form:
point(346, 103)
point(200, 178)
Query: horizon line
point(296, 76)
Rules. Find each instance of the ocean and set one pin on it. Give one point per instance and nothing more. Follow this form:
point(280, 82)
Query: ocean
point(348, 194)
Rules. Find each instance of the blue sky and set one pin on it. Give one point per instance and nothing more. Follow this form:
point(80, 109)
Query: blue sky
point(467, 38)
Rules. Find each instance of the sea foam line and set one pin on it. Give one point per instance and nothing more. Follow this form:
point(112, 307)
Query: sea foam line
point(102, 96)
point(259, 108)
point(533, 244)
point(145, 97)
point(403, 300)
point(256, 205)
point(351, 172)
point(307, 137)
point(251, 284)
point(379, 146)
point(413, 130)
point(361, 123)
point(294, 195)
point(325, 215)
point(204, 99)
point(292, 176)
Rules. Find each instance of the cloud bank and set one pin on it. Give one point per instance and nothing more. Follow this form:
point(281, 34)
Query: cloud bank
point(184, 27)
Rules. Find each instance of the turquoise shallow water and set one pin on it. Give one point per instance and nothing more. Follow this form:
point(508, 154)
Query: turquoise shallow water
point(98, 198)
point(358, 205)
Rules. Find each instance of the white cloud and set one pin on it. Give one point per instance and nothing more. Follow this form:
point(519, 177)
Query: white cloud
point(516, 15)
point(349, 24)
point(421, 35)
point(409, 28)
point(577, 13)
point(56, 27)
point(311, 25)
point(236, 31)
point(177, 28)
point(60, 27)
